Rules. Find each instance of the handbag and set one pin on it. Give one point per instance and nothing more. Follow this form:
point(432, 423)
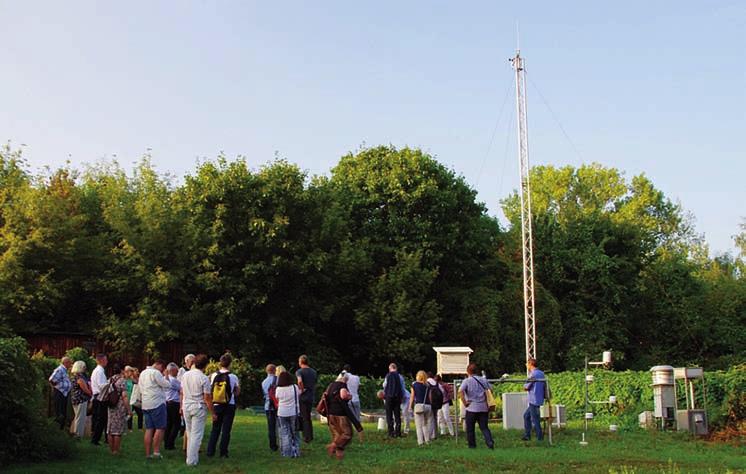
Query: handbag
point(491, 403)
point(322, 408)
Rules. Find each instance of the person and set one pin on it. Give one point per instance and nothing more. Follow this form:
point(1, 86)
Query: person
point(152, 386)
point(188, 361)
point(61, 386)
point(225, 409)
point(444, 414)
point(353, 385)
point(307, 383)
point(116, 422)
point(196, 401)
point(338, 411)
point(288, 411)
point(173, 406)
point(406, 412)
point(436, 396)
point(100, 413)
point(135, 399)
point(420, 403)
point(536, 389)
point(80, 394)
point(392, 397)
point(473, 394)
point(270, 410)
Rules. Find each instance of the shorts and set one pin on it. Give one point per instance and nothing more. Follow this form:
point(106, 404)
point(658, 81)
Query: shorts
point(156, 419)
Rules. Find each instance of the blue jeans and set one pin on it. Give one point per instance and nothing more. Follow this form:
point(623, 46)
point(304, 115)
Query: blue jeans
point(221, 428)
point(289, 438)
point(532, 417)
point(482, 418)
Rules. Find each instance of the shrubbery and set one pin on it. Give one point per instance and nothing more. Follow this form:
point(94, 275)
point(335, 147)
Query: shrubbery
point(26, 434)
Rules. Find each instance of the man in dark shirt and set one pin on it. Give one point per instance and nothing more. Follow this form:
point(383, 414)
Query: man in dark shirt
point(307, 383)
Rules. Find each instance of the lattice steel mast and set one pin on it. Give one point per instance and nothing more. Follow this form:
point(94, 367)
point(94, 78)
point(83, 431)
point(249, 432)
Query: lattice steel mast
point(526, 230)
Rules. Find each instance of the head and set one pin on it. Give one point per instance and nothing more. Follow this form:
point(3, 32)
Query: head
point(102, 360)
point(347, 369)
point(159, 365)
point(280, 369)
point(79, 367)
point(393, 367)
point(66, 362)
point(472, 369)
point(225, 360)
point(200, 362)
point(342, 378)
point(189, 360)
point(303, 360)
point(429, 374)
point(421, 376)
point(172, 369)
point(531, 363)
point(271, 369)
point(135, 373)
point(285, 379)
point(438, 378)
point(117, 368)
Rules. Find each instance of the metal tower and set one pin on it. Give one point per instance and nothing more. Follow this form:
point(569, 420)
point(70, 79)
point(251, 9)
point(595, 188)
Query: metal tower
point(526, 231)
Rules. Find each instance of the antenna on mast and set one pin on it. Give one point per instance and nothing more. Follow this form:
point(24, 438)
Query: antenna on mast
point(526, 226)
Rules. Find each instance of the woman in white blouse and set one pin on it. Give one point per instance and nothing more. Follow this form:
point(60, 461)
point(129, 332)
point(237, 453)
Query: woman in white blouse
point(288, 410)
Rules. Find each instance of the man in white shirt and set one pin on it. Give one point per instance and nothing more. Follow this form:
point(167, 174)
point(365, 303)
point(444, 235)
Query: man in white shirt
point(100, 415)
point(353, 386)
point(188, 361)
point(225, 412)
point(153, 388)
point(196, 401)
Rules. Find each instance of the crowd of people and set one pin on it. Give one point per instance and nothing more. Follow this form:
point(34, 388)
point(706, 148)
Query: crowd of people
point(172, 401)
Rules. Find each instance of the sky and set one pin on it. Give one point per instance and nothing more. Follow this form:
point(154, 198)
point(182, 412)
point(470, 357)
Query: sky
point(646, 87)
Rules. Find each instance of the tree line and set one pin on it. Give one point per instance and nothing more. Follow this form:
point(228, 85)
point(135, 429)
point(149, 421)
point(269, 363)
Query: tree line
point(387, 256)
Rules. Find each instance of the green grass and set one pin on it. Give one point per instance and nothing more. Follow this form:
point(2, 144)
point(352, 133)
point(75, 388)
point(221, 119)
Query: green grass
point(624, 452)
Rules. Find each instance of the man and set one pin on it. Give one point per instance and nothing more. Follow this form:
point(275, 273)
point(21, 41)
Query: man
point(307, 384)
point(60, 382)
point(100, 415)
point(173, 405)
point(536, 388)
point(353, 386)
point(269, 407)
point(153, 388)
point(196, 401)
point(225, 409)
point(188, 361)
point(393, 389)
point(473, 395)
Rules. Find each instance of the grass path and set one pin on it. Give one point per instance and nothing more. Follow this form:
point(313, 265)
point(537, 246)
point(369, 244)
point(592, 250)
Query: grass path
point(628, 452)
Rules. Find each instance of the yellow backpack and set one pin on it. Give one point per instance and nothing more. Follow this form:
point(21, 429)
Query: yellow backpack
point(221, 388)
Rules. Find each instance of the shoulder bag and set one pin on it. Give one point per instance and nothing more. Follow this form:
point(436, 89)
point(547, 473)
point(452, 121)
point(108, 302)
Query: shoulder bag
point(491, 404)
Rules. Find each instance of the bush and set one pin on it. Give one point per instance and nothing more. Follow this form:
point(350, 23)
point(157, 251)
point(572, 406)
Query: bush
point(26, 434)
point(78, 353)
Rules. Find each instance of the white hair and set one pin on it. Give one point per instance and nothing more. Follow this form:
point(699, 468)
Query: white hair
point(172, 365)
point(78, 367)
point(188, 359)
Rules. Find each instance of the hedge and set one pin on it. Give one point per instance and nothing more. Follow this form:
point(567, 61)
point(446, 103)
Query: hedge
point(27, 434)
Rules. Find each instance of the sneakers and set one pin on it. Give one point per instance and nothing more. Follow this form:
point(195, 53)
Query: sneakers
point(155, 456)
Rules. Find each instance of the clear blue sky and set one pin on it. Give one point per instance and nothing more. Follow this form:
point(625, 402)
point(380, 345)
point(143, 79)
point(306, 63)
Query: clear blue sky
point(653, 87)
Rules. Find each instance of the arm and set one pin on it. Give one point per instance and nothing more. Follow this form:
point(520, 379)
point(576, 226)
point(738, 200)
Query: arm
point(208, 401)
point(84, 387)
point(411, 399)
point(462, 398)
point(181, 402)
point(344, 394)
point(126, 402)
point(161, 381)
point(300, 383)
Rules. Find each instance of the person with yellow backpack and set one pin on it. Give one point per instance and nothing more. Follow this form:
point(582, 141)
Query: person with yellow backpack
point(225, 390)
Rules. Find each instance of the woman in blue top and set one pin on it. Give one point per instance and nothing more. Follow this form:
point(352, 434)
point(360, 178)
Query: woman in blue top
point(423, 414)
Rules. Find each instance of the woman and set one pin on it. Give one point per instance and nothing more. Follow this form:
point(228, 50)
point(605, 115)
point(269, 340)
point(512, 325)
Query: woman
point(339, 416)
point(133, 395)
point(288, 410)
point(444, 414)
point(117, 423)
point(81, 393)
point(423, 414)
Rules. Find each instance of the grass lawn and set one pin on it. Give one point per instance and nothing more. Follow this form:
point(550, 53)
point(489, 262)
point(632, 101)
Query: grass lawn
point(634, 451)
